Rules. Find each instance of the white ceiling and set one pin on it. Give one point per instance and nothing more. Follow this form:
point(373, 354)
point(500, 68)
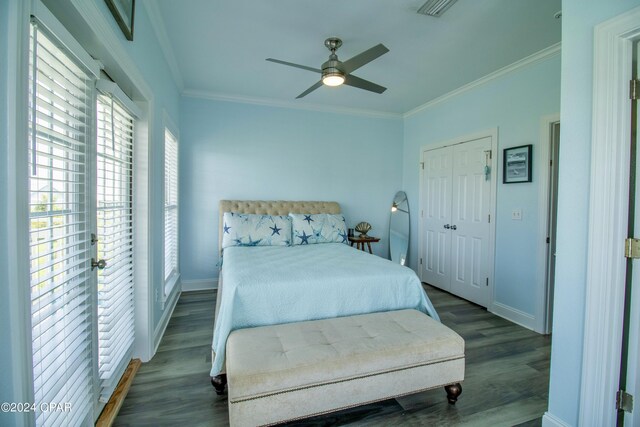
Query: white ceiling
point(220, 46)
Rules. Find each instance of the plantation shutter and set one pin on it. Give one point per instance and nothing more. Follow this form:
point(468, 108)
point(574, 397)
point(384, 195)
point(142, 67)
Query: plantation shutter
point(170, 206)
point(61, 283)
point(114, 196)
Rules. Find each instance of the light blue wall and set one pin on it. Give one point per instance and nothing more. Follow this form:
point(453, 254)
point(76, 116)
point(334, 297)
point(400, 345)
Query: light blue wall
point(515, 103)
point(578, 20)
point(241, 151)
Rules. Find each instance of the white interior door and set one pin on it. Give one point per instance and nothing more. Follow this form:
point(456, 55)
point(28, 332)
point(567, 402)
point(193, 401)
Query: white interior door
point(470, 207)
point(436, 215)
point(456, 203)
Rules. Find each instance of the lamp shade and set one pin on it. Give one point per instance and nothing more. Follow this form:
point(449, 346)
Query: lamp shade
point(333, 79)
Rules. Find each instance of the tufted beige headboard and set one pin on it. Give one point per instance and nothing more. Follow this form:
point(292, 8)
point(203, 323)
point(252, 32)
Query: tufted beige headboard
point(273, 207)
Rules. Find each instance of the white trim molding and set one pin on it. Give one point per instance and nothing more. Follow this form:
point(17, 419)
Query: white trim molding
point(199, 285)
point(608, 214)
point(543, 170)
point(513, 315)
point(549, 420)
point(170, 306)
point(524, 62)
point(269, 102)
point(18, 385)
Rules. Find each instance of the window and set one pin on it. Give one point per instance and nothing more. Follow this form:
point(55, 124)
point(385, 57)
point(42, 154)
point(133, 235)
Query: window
point(60, 131)
point(170, 210)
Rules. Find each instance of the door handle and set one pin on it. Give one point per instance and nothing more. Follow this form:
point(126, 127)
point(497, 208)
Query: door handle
point(447, 226)
point(100, 264)
point(453, 227)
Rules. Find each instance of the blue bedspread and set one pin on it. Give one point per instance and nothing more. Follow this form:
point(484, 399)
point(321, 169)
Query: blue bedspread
point(269, 285)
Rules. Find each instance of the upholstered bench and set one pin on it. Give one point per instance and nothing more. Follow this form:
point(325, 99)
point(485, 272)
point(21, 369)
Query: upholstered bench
point(291, 371)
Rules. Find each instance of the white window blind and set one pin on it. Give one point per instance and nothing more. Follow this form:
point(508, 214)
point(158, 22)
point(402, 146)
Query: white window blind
point(170, 206)
point(115, 240)
point(60, 113)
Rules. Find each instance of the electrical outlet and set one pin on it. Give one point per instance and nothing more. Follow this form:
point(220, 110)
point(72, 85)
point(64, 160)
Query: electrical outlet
point(516, 214)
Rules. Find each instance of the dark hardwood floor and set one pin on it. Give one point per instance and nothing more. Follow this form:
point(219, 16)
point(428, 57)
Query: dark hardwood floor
point(506, 383)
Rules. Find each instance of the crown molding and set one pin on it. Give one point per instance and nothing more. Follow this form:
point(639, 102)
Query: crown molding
point(524, 62)
point(193, 93)
point(159, 29)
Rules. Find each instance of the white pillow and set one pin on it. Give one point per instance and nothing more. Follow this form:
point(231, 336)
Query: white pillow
point(318, 228)
point(255, 230)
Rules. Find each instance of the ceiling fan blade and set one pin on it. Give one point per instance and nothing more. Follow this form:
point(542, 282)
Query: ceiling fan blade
point(291, 64)
point(311, 89)
point(363, 58)
point(354, 81)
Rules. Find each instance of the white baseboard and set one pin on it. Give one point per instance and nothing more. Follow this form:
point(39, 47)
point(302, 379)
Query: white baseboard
point(199, 285)
point(516, 316)
point(169, 305)
point(549, 420)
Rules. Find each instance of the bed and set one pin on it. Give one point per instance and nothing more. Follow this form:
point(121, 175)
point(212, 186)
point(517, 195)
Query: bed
point(268, 285)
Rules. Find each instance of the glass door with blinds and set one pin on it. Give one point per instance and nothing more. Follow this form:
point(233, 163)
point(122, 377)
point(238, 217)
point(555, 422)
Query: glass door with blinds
point(80, 233)
point(115, 240)
point(60, 223)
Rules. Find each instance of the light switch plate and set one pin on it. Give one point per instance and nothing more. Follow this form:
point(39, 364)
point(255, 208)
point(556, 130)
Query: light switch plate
point(516, 214)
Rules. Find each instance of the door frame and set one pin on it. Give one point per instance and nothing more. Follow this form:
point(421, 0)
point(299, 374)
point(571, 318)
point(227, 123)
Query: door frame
point(543, 305)
point(488, 133)
point(608, 217)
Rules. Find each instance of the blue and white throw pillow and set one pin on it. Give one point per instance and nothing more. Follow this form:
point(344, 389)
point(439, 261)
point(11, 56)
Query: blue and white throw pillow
point(255, 230)
point(318, 228)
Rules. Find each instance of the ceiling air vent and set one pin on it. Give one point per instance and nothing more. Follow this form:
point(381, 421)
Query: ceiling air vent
point(435, 7)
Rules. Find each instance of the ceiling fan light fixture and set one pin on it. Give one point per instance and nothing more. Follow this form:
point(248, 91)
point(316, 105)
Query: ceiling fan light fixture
point(333, 78)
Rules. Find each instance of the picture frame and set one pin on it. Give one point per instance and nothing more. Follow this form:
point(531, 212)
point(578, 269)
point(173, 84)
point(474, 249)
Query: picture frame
point(517, 162)
point(124, 12)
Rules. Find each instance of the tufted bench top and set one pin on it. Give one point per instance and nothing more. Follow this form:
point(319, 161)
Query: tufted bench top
point(278, 359)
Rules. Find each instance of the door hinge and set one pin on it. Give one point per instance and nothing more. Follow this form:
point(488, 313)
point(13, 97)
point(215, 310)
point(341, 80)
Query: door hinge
point(487, 281)
point(624, 401)
point(420, 261)
point(422, 165)
point(632, 248)
point(633, 89)
point(489, 218)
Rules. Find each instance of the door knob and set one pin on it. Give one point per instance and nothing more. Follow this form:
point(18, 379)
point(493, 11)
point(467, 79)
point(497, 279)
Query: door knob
point(453, 227)
point(100, 264)
point(447, 226)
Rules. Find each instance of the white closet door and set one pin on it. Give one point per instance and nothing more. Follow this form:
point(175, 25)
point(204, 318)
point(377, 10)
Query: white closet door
point(436, 268)
point(471, 198)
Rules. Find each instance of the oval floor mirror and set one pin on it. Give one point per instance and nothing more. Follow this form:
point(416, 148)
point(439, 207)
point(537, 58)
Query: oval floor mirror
point(399, 228)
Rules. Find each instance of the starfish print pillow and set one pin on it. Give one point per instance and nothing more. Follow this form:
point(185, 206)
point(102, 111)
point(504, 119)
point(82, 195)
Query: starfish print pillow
point(318, 228)
point(255, 230)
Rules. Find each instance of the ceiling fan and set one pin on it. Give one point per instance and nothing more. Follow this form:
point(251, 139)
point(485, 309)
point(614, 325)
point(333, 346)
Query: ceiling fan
point(335, 72)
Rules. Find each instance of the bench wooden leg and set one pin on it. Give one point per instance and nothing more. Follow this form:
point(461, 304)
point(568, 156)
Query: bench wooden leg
point(219, 382)
point(453, 391)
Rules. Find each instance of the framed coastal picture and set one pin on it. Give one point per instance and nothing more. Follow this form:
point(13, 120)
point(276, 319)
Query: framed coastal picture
point(517, 164)
point(123, 11)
